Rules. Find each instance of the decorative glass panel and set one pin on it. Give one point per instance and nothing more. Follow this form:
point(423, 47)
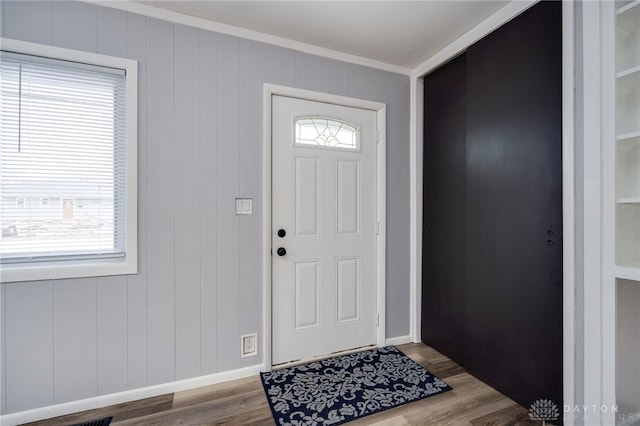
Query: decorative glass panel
point(327, 132)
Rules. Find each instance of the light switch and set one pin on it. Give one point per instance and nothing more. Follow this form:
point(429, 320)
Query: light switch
point(244, 205)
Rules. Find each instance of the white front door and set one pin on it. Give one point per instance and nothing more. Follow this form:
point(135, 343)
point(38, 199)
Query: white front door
point(324, 228)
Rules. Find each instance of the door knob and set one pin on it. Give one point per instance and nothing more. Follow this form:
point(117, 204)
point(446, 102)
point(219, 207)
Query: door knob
point(281, 233)
point(281, 251)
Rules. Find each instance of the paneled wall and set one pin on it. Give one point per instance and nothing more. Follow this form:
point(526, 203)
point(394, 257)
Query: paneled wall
point(199, 286)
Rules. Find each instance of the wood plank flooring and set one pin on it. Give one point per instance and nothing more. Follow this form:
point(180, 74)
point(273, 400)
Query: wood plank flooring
point(243, 402)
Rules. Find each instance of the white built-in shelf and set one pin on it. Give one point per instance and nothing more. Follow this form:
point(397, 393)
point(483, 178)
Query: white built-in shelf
point(627, 209)
point(629, 271)
point(628, 136)
point(628, 99)
point(628, 167)
point(629, 77)
point(625, 6)
point(628, 36)
point(628, 200)
point(628, 103)
point(628, 233)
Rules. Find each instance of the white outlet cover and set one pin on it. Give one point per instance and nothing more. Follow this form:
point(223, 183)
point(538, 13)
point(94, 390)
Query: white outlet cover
point(249, 345)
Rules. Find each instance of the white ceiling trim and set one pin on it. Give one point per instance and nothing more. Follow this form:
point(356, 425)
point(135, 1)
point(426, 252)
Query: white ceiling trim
point(192, 21)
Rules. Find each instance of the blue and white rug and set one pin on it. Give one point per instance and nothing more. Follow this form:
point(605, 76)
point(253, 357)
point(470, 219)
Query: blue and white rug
point(341, 389)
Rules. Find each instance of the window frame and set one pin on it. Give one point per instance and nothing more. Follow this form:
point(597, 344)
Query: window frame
point(95, 267)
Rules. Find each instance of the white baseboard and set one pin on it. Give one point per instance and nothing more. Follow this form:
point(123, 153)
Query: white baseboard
point(398, 340)
point(126, 396)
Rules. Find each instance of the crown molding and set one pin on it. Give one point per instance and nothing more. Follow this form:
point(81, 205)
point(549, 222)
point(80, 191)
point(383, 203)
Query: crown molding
point(218, 27)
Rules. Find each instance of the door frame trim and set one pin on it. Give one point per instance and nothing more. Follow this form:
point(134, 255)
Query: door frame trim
point(269, 90)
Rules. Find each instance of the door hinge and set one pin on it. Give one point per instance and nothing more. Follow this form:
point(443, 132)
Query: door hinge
point(377, 135)
point(378, 228)
point(377, 320)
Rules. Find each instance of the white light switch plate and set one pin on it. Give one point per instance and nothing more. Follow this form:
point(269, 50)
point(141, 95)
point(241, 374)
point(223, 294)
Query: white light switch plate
point(244, 205)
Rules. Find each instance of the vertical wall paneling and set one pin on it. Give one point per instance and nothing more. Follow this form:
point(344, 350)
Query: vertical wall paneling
point(208, 205)
point(2, 34)
point(137, 284)
point(74, 25)
point(29, 339)
point(393, 256)
point(282, 66)
point(394, 245)
point(40, 18)
point(252, 58)
point(111, 39)
point(198, 286)
point(111, 28)
point(112, 334)
point(187, 219)
point(325, 75)
point(75, 339)
point(227, 168)
point(160, 202)
point(360, 82)
point(400, 193)
point(302, 77)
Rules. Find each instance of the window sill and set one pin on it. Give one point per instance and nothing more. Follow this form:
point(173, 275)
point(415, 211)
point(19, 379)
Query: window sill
point(67, 269)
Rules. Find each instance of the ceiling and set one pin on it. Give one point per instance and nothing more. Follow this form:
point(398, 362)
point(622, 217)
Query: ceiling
point(401, 33)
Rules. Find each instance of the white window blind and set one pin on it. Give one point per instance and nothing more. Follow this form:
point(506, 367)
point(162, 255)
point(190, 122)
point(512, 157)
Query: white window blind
point(62, 139)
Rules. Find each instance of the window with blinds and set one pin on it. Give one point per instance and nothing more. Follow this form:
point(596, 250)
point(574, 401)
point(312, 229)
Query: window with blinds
point(63, 160)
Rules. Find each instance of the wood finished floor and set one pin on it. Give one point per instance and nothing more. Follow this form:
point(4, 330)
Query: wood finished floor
point(243, 402)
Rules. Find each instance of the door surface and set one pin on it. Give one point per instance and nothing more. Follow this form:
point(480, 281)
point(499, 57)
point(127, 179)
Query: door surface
point(514, 207)
point(324, 228)
point(445, 135)
point(493, 208)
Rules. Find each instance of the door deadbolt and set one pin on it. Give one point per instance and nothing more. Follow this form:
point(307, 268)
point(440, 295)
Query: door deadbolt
point(281, 233)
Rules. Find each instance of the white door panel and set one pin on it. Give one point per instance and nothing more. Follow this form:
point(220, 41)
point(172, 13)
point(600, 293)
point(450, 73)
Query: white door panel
point(324, 198)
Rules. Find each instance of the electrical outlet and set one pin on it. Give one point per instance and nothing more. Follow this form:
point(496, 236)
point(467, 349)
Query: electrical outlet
point(249, 345)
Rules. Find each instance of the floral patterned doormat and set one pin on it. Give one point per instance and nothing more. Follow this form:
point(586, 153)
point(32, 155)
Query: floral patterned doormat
point(341, 389)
